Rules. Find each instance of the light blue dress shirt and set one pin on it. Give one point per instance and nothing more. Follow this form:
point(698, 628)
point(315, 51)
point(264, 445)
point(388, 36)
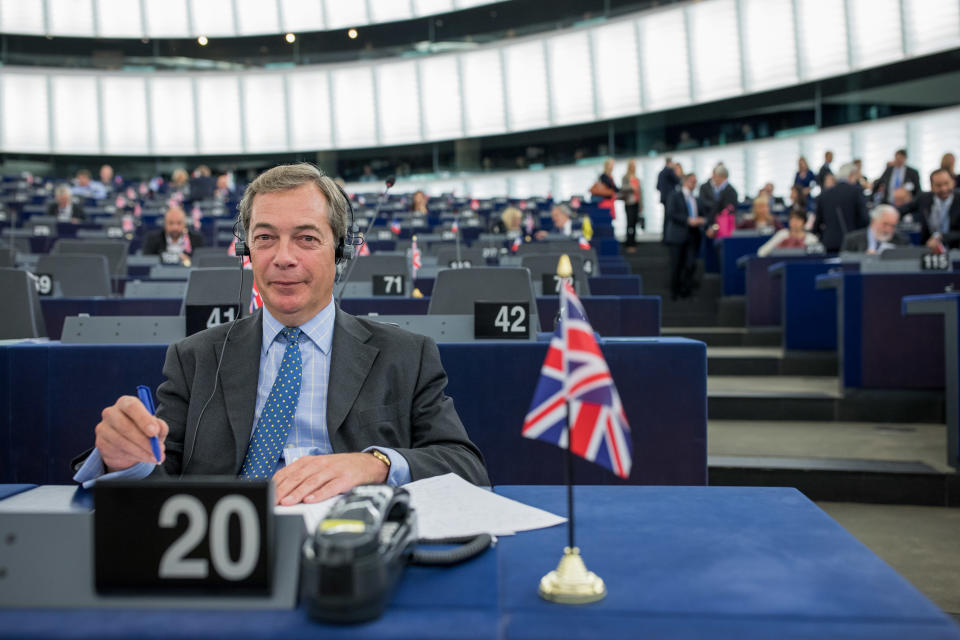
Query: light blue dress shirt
point(308, 435)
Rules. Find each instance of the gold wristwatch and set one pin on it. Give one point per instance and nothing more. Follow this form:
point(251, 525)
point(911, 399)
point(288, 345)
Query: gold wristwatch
point(381, 456)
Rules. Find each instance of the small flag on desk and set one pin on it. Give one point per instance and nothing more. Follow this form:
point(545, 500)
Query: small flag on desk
point(584, 243)
point(196, 215)
point(395, 227)
point(516, 244)
point(575, 372)
point(364, 249)
point(255, 300)
point(455, 227)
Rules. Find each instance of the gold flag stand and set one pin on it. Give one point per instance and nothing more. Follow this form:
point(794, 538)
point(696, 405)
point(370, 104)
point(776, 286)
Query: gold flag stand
point(570, 582)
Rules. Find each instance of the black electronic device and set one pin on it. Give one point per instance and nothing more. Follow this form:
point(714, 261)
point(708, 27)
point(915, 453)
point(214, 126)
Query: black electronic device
point(353, 560)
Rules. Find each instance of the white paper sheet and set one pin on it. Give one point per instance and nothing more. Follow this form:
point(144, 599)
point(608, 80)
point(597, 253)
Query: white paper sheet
point(447, 507)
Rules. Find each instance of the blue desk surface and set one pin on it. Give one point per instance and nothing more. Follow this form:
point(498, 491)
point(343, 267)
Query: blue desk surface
point(678, 562)
point(58, 392)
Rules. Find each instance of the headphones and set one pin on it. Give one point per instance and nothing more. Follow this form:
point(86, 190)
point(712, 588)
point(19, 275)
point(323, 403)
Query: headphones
point(345, 244)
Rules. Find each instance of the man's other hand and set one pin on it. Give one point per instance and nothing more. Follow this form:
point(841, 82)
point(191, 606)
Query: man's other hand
point(123, 434)
point(316, 478)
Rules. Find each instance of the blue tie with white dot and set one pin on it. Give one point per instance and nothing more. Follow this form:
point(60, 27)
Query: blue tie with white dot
point(277, 415)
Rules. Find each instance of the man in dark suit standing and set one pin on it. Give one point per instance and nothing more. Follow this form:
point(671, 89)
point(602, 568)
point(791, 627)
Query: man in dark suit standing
point(309, 396)
point(938, 211)
point(174, 239)
point(667, 181)
point(881, 235)
point(717, 194)
point(898, 175)
point(840, 209)
point(682, 231)
point(825, 170)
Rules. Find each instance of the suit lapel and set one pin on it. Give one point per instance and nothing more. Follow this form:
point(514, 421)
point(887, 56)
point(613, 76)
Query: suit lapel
point(350, 362)
point(239, 376)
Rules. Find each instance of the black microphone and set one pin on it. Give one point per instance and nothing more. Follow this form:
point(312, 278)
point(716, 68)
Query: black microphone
point(391, 180)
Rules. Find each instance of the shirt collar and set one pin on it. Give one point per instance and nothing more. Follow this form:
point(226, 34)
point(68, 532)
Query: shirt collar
point(319, 329)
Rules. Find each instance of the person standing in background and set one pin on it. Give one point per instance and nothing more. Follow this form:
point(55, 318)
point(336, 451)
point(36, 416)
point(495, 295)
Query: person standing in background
point(897, 175)
point(606, 188)
point(825, 170)
point(947, 164)
point(633, 201)
point(804, 177)
point(667, 181)
point(841, 209)
point(682, 232)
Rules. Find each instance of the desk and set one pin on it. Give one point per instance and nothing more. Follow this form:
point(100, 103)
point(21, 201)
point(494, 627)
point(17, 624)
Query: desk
point(878, 347)
point(948, 306)
point(808, 314)
point(56, 309)
point(621, 315)
point(678, 562)
point(734, 283)
point(762, 288)
point(55, 394)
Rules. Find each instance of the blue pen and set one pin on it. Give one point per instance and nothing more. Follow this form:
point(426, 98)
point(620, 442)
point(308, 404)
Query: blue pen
point(146, 397)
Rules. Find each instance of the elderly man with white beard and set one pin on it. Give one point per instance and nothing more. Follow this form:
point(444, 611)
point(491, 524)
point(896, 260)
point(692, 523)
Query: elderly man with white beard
point(881, 235)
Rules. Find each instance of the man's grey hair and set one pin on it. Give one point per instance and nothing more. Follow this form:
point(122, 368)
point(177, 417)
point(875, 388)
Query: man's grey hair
point(567, 211)
point(63, 190)
point(291, 176)
point(882, 209)
point(847, 170)
point(721, 171)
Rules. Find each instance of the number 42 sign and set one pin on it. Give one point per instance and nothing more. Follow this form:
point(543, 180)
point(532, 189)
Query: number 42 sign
point(501, 320)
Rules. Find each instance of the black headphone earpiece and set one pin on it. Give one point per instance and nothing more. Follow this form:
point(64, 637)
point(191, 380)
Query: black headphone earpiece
point(242, 250)
point(345, 246)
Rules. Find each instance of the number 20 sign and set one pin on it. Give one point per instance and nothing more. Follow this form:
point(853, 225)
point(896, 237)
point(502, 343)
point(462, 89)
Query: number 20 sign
point(177, 536)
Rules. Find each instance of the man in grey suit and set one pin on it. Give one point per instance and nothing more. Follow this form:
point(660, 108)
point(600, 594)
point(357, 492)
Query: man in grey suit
point(367, 399)
point(881, 235)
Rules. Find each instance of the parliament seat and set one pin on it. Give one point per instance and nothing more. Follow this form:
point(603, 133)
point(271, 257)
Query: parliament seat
point(22, 317)
point(77, 275)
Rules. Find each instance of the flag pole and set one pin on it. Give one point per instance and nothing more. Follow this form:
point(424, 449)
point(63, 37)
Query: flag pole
point(570, 582)
point(565, 272)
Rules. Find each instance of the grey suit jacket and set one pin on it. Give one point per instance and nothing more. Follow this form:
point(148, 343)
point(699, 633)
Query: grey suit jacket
point(386, 389)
